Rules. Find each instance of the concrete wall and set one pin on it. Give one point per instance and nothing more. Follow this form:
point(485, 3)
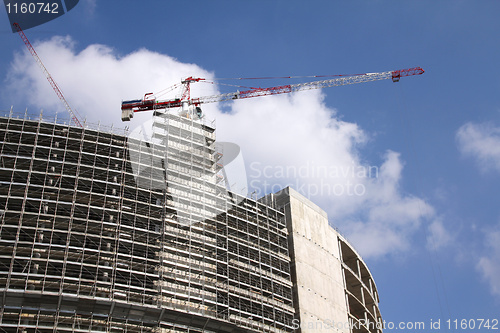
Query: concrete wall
point(319, 296)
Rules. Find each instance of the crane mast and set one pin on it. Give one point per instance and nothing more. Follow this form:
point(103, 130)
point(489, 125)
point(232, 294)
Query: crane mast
point(149, 103)
point(47, 74)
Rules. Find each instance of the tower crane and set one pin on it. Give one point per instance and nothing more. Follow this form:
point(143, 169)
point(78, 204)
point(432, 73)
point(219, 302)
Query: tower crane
point(148, 102)
point(47, 74)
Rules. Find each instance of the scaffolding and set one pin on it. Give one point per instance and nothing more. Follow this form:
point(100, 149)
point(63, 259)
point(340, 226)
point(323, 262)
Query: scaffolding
point(100, 231)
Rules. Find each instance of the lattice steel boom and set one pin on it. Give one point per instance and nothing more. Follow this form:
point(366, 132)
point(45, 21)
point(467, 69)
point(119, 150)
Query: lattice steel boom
point(145, 104)
point(47, 74)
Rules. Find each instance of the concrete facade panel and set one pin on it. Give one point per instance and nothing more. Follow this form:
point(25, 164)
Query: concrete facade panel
point(322, 295)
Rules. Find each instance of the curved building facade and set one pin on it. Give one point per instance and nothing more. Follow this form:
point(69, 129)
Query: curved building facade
point(333, 290)
point(101, 231)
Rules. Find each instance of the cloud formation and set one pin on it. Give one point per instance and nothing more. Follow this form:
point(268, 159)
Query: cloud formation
point(482, 142)
point(438, 236)
point(489, 265)
point(94, 81)
point(90, 6)
point(386, 218)
point(296, 140)
point(286, 139)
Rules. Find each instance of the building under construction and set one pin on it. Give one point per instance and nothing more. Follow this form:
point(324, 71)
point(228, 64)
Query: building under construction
point(104, 232)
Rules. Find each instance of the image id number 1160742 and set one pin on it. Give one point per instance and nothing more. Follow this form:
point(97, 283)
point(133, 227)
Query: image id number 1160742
point(33, 8)
point(471, 324)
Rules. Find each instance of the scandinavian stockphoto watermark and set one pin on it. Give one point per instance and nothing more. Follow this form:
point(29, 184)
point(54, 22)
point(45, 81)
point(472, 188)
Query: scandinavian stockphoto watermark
point(330, 324)
point(311, 179)
point(428, 325)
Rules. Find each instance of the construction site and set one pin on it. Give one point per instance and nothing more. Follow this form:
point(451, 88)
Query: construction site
point(103, 232)
point(107, 230)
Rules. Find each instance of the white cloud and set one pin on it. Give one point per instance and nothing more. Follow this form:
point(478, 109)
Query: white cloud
point(489, 265)
point(481, 141)
point(386, 218)
point(296, 140)
point(95, 80)
point(438, 236)
point(90, 6)
point(286, 139)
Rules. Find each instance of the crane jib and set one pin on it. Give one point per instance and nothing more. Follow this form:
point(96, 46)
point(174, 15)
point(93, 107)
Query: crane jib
point(131, 106)
point(265, 91)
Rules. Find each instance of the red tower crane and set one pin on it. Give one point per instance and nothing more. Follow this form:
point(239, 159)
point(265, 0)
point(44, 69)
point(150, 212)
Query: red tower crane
point(47, 74)
point(148, 102)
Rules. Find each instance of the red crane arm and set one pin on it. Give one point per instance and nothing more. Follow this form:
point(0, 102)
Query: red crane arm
point(128, 107)
point(345, 80)
point(47, 74)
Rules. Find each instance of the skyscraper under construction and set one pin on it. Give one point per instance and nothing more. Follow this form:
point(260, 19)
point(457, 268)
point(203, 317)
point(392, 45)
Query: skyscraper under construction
point(104, 231)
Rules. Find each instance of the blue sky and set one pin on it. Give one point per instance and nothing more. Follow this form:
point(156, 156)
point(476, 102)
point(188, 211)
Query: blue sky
point(428, 223)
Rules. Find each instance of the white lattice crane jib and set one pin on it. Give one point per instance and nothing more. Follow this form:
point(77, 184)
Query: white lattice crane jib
point(150, 103)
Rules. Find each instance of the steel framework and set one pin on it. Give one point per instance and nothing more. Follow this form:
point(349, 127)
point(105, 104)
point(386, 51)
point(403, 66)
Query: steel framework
point(103, 232)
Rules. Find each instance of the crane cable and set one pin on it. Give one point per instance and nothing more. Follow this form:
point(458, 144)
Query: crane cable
point(178, 85)
point(431, 250)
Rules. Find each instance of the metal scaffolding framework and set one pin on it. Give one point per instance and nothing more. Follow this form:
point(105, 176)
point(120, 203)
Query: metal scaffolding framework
point(103, 232)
